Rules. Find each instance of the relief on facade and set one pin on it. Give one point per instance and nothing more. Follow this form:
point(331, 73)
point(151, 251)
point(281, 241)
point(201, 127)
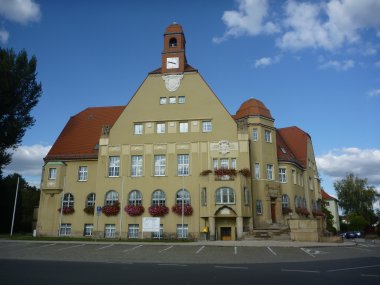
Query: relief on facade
point(137, 147)
point(224, 146)
point(114, 148)
point(172, 81)
point(183, 146)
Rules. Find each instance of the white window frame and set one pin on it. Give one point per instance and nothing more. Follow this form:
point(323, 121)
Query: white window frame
point(225, 196)
point(135, 198)
point(68, 200)
point(133, 230)
point(163, 100)
point(159, 165)
point(181, 99)
point(268, 136)
point(160, 128)
point(109, 231)
point(282, 174)
point(182, 234)
point(183, 161)
point(172, 100)
point(114, 166)
point(246, 196)
point(233, 163)
point(224, 163)
point(90, 200)
point(215, 163)
point(270, 171)
point(82, 173)
point(111, 197)
point(65, 230)
point(139, 129)
point(259, 207)
point(158, 198)
point(206, 126)
point(159, 234)
point(294, 175)
point(285, 201)
point(52, 173)
point(136, 165)
point(88, 230)
point(255, 134)
point(183, 127)
point(186, 197)
point(204, 197)
point(257, 170)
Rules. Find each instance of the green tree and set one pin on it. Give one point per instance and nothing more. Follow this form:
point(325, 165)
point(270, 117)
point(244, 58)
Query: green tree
point(356, 197)
point(19, 94)
point(329, 219)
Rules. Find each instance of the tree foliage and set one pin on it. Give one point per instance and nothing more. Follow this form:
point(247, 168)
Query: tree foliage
point(356, 197)
point(19, 93)
point(329, 219)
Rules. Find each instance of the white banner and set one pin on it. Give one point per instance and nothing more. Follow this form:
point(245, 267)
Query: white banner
point(151, 224)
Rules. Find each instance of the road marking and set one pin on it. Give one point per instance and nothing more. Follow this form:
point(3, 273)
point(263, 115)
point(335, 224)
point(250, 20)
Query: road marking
point(304, 271)
point(230, 267)
point(307, 251)
point(172, 264)
point(235, 250)
point(200, 249)
point(78, 245)
point(369, 275)
point(271, 250)
point(133, 248)
point(353, 268)
point(46, 245)
point(165, 249)
point(100, 248)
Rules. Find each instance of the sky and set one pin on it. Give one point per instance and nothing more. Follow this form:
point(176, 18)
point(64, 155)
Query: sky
point(314, 64)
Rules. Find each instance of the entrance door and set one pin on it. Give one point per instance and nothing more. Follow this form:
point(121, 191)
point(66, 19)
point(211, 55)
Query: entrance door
point(225, 233)
point(273, 211)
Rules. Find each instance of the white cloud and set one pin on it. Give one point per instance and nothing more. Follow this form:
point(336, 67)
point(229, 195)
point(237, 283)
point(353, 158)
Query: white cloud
point(266, 61)
point(28, 160)
point(249, 19)
point(20, 11)
point(338, 65)
point(374, 93)
point(4, 36)
point(363, 162)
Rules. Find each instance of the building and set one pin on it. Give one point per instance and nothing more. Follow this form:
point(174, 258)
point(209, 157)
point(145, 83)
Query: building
point(331, 204)
point(173, 147)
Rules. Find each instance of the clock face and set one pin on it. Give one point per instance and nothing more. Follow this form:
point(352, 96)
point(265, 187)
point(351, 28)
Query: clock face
point(172, 62)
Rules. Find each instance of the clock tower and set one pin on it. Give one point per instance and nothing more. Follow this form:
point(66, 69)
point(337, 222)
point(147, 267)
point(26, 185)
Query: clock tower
point(173, 55)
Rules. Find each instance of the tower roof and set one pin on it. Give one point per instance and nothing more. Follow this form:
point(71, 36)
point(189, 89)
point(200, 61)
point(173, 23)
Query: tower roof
point(174, 29)
point(253, 107)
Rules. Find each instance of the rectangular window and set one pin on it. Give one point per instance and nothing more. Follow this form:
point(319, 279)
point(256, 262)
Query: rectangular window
point(181, 99)
point(138, 129)
point(114, 166)
point(282, 175)
point(259, 207)
point(233, 163)
point(172, 100)
point(224, 163)
point(327, 204)
point(269, 171)
point(133, 231)
point(204, 196)
point(246, 196)
point(183, 165)
point(183, 127)
point(255, 135)
point(163, 100)
point(215, 163)
point(136, 165)
point(257, 170)
point(160, 128)
point(268, 136)
point(65, 230)
point(159, 234)
point(82, 173)
point(52, 173)
point(109, 231)
point(294, 175)
point(206, 126)
point(159, 165)
point(182, 232)
point(88, 228)
point(311, 183)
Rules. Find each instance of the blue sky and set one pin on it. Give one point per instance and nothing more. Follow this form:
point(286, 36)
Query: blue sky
point(314, 64)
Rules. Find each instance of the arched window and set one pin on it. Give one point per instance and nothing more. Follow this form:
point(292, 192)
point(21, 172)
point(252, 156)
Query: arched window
point(135, 198)
point(297, 201)
point(68, 200)
point(111, 197)
point(186, 197)
point(90, 201)
point(304, 203)
point(285, 201)
point(173, 42)
point(225, 195)
point(158, 198)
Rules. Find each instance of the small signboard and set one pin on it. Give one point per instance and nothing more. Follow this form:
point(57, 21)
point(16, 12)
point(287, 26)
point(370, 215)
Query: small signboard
point(98, 210)
point(151, 224)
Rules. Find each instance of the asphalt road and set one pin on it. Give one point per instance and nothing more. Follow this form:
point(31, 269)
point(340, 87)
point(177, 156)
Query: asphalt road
point(139, 263)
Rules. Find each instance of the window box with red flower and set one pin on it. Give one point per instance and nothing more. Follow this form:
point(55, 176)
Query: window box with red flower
point(158, 210)
point(225, 174)
point(134, 210)
point(66, 210)
point(111, 210)
point(89, 210)
point(302, 211)
point(318, 213)
point(286, 211)
point(187, 209)
point(205, 172)
point(245, 172)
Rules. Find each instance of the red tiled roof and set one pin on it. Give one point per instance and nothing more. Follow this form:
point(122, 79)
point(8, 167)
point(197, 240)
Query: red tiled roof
point(296, 139)
point(284, 153)
point(326, 196)
point(188, 68)
point(252, 107)
point(81, 134)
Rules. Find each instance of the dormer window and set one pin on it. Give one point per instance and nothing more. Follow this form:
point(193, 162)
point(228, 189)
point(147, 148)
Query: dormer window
point(173, 42)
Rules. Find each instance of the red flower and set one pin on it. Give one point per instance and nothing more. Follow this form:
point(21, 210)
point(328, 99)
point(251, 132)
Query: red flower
point(286, 211)
point(245, 172)
point(134, 210)
point(67, 210)
point(187, 209)
point(318, 213)
point(158, 210)
point(225, 172)
point(89, 210)
point(111, 210)
point(302, 211)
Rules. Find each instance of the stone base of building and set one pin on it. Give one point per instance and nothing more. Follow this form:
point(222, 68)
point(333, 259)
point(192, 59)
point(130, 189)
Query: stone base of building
point(306, 229)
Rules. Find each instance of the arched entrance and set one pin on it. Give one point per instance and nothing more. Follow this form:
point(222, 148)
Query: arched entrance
point(225, 224)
